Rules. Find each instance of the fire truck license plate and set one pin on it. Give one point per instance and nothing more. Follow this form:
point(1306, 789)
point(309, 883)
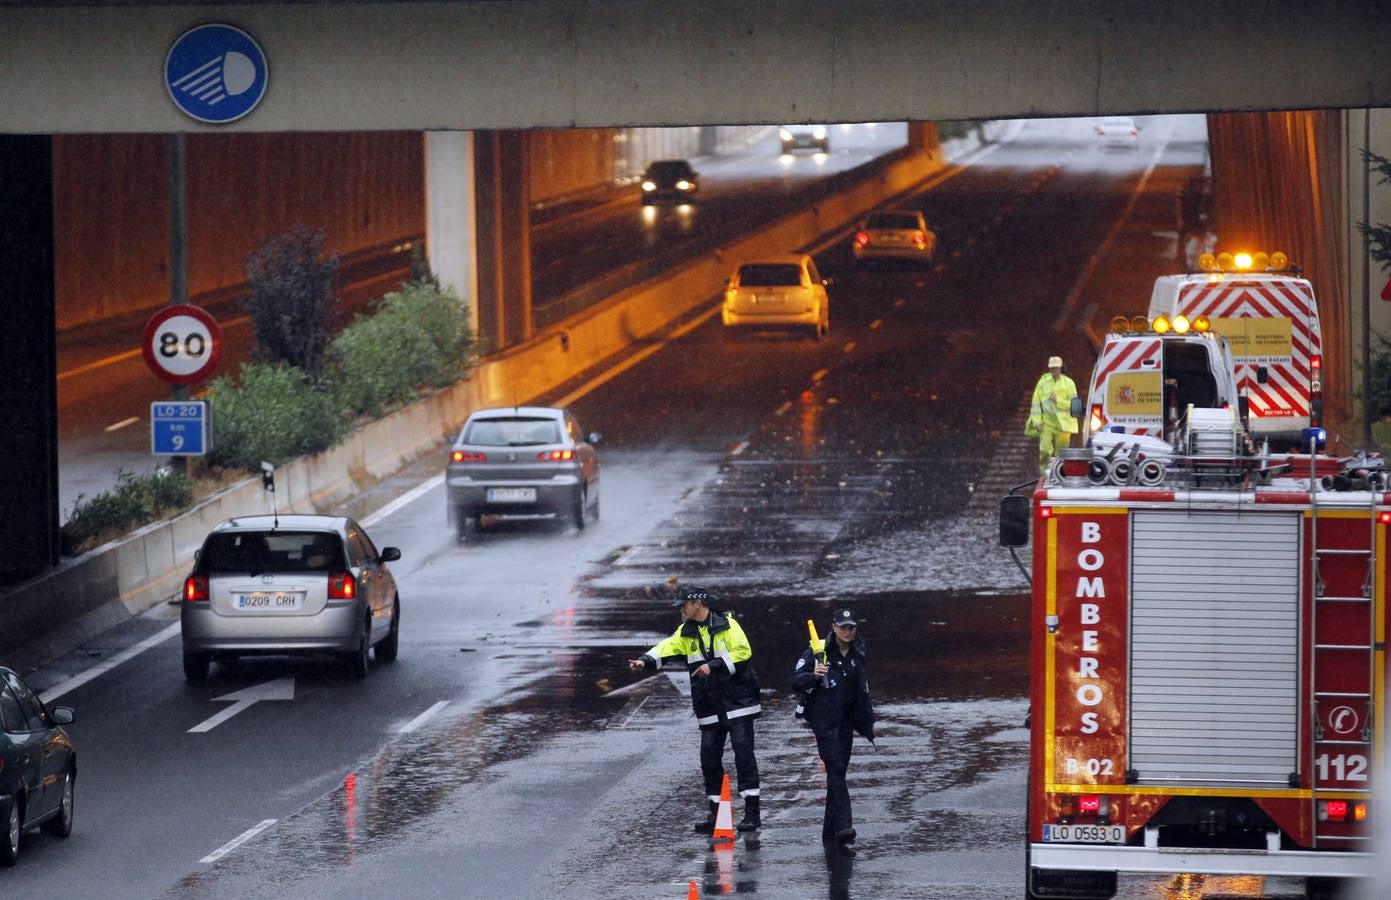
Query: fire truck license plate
point(1084, 834)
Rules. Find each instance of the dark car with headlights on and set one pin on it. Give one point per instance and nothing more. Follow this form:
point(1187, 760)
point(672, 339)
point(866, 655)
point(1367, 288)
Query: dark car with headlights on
point(669, 181)
point(290, 585)
point(526, 461)
point(38, 766)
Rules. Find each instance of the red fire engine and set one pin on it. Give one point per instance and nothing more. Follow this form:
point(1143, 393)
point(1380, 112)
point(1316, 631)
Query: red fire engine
point(1209, 668)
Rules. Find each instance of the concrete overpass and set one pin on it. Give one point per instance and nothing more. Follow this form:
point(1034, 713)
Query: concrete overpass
point(450, 69)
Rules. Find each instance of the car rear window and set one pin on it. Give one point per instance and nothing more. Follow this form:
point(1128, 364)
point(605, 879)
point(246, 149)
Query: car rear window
point(512, 432)
point(672, 170)
point(1118, 123)
point(893, 220)
point(272, 551)
point(769, 274)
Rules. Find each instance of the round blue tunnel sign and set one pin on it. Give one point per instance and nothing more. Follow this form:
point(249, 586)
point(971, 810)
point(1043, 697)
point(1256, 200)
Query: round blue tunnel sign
point(216, 73)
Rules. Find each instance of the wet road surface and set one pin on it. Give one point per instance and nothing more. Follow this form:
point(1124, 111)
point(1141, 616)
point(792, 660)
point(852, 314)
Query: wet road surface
point(785, 474)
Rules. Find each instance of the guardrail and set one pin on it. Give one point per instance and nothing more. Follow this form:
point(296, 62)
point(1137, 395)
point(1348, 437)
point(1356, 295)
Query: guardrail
point(49, 615)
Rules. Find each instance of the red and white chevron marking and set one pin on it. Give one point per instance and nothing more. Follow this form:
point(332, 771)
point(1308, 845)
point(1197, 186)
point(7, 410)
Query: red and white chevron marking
point(1286, 391)
point(1143, 355)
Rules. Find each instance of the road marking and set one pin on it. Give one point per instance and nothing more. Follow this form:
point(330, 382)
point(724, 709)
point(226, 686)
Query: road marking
point(629, 720)
point(100, 364)
point(277, 689)
point(874, 326)
point(632, 688)
point(739, 448)
point(1075, 295)
point(423, 488)
point(782, 409)
point(900, 303)
point(237, 841)
point(123, 424)
point(819, 374)
point(848, 348)
point(82, 678)
point(424, 717)
point(627, 555)
point(636, 358)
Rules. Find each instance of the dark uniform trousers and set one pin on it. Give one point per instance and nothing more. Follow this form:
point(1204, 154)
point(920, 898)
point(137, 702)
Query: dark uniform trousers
point(739, 731)
point(834, 747)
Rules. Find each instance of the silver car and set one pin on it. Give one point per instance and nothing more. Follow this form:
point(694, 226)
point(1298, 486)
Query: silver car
point(900, 234)
point(778, 292)
point(288, 585)
point(522, 461)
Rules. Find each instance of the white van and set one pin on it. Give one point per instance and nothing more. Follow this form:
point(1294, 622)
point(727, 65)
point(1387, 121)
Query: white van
point(1144, 382)
point(1271, 320)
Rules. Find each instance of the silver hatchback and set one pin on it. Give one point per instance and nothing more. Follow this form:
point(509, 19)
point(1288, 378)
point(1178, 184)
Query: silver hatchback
point(290, 584)
point(522, 461)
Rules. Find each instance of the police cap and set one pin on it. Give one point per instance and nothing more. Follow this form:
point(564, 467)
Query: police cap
point(692, 593)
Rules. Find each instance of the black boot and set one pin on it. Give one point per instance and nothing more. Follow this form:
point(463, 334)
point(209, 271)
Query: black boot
point(751, 821)
point(709, 824)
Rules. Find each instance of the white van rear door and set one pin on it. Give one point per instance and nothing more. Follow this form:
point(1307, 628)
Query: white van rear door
point(1129, 384)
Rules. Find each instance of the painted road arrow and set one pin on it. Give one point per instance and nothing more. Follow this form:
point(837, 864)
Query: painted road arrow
point(279, 689)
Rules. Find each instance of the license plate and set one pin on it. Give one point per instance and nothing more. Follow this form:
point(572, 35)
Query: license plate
point(511, 495)
point(270, 600)
point(1084, 834)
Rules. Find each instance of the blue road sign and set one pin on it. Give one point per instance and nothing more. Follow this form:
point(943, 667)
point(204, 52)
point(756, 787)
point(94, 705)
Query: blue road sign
point(179, 428)
point(216, 73)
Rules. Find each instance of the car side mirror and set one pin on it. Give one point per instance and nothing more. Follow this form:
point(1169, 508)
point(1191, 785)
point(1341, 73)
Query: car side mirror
point(594, 437)
point(390, 554)
point(1077, 408)
point(1014, 521)
point(62, 715)
point(1262, 374)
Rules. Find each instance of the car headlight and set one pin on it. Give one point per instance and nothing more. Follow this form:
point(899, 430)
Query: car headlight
point(784, 134)
point(648, 186)
point(684, 185)
point(819, 133)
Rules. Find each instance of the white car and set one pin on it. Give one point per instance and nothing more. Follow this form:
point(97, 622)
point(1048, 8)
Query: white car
point(804, 137)
point(779, 292)
point(901, 234)
point(1118, 133)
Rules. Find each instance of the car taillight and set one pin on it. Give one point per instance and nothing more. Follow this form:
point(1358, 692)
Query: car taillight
point(342, 586)
point(1132, 132)
point(196, 589)
point(555, 455)
point(862, 238)
point(1089, 803)
point(465, 456)
point(919, 239)
point(1097, 421)
point(1316, 362)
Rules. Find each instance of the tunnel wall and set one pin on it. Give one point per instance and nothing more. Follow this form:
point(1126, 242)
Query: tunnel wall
point(111, 208)
point(1279, 184)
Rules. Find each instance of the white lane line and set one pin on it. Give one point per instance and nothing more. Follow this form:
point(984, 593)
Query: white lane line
point(820, 373)
point(634, 687)
point(636, 358)
point(424, 717)
point(82, 678)
point(739, 448)
point(627, 555)
point(100, 364)
point(237, 841)
point(628, 721)
point(782, 409)
point(423, 488)
point(124, 423)
point(874, 326)
point(848, 348)
point(1075, 295)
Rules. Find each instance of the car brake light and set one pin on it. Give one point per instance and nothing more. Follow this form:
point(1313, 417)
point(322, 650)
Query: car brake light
point(196, 589)
point(465, 456)
point(1132, 132)
point(862, 238)
point(919, 239)
point(342, 586)
point(1089, 803)
point(1097, 420)
point(1316, 362)
point(1333, 811)
point(555, 455)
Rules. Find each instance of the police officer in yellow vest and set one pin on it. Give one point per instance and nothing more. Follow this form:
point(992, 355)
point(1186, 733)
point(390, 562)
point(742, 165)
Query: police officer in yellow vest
point(724, 692)
point(1050, 414)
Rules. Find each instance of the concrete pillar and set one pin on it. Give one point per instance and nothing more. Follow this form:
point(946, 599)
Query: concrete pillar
point(29, 398)
point(504, 238)
point(450, 222)
point(922, 136)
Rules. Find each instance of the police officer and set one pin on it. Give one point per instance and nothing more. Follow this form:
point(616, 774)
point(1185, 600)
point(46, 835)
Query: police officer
point(836, 687)
point(1050, 413)
point(724, 692)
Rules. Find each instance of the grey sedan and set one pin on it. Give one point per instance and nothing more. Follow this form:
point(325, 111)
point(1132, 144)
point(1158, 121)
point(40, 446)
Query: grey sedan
point(522, 461)
point(290, 584)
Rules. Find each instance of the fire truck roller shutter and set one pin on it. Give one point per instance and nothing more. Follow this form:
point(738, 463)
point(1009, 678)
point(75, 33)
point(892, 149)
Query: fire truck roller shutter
point(1215, 655)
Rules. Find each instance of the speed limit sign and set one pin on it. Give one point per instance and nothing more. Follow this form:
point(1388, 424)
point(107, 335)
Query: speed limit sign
point(182, 344)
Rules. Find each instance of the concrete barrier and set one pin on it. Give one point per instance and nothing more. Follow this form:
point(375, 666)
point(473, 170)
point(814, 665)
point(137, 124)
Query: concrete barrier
point(59, 610)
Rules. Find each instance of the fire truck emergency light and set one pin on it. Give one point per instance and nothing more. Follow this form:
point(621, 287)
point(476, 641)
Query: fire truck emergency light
point(1180, 324)
point(1342, 811)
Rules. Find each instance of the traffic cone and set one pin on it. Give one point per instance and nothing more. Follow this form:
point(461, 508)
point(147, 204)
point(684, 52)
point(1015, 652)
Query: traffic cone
point(692, 893)
point(724, 817)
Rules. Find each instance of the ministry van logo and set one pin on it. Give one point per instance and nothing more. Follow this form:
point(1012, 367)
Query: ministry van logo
point(216, 73)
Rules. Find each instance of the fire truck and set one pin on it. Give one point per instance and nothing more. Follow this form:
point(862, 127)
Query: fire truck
point(1208, 646)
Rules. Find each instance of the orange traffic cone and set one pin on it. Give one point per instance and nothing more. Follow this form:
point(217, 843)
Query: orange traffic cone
point(724, 818)
point(692, 893)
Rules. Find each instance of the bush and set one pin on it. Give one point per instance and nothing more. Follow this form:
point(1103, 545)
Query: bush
point(417, 337)
point(272, 413)
point(1381, 378)
point(292, 300)
point(134, 501)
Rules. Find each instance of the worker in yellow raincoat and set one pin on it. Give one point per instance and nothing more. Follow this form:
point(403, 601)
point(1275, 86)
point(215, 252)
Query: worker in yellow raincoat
point(1050, 413)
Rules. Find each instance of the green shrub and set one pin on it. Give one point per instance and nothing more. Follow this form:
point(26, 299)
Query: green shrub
point(271, 413)
point(1381, 378)
point(292, 302)
point(133, 502)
